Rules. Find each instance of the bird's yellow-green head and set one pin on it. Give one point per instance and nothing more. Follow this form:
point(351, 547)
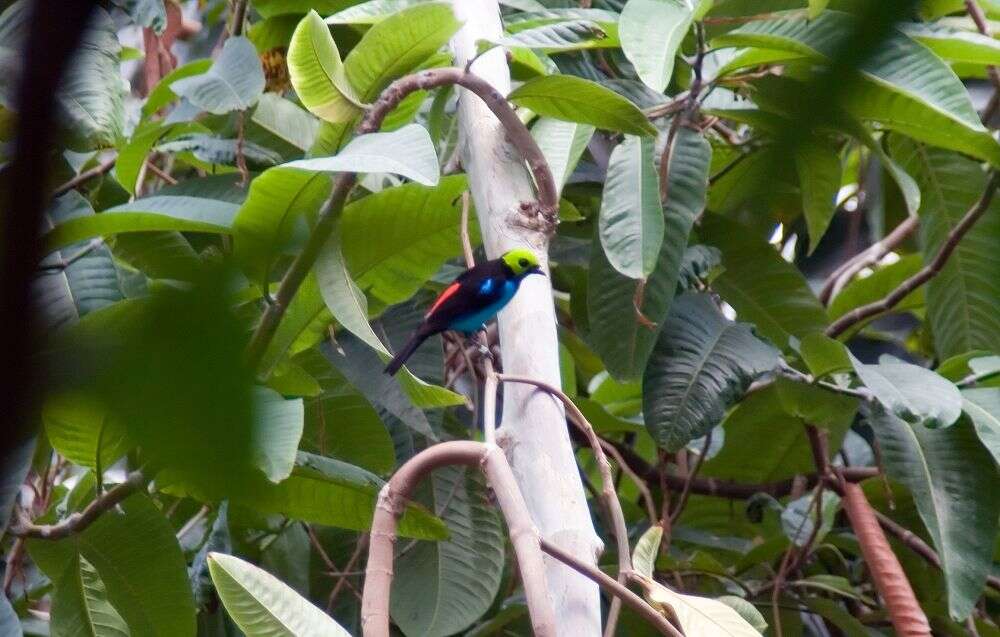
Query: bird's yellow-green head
point(522, 262)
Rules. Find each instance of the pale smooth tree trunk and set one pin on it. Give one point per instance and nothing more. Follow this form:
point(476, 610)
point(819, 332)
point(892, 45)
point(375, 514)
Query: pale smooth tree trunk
point(533, 430)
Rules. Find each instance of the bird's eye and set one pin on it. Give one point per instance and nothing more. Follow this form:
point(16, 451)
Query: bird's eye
point(523, 262)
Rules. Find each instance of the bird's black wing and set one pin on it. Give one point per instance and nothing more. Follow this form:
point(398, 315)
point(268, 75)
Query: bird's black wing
point(470, 291)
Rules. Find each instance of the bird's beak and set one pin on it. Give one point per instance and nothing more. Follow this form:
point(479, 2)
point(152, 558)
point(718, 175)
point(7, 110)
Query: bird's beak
point(536, 270)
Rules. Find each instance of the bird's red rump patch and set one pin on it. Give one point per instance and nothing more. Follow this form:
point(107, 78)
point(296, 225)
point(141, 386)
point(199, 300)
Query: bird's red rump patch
point(448, 291)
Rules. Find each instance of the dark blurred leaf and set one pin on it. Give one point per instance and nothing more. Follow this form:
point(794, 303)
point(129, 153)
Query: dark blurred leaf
point(823, 355)
point(16, 460)
point(702, 364)
point(818, 166)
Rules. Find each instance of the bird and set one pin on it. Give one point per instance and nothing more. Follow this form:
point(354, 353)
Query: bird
point(472, 299)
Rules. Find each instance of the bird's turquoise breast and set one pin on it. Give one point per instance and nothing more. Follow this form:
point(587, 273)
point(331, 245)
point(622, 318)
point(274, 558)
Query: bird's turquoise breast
point(472, 322)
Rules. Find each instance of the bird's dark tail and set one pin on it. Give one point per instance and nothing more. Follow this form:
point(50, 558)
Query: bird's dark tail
point(411, 346)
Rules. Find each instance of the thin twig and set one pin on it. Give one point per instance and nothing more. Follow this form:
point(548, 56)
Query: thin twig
point(162, 174)
point(928, 272)
point(92, 245)
point(348, 572)
point(686, 490)
point(195, 519)
point(239, 17)
point(85, 176)
point(616, 589)
point(77, 522)
point(866, 258)
point(518, 134)
point(982, 24)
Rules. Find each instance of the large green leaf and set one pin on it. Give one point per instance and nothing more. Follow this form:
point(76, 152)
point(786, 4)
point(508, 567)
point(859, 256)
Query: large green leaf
point(214, 150)
point(79, 428)
point(575, 99)
point(982, 405)
point(133, 155)
point(317, 72)
point(953, 482)
point(286, 120)
point(905, 87)
point(80, 604)
point(162, 94)
point(762, 287)
point(631, 223)
point(562, 143)
point(397, 45)
point(91, 97)
point(327, 491)
point(76, 280)
point(159, 212)
point(698, 615)
point(264, 606)
point(134, 543)
point(443, 587)
point(349, 306)
point(963, 300)
point(818, 166)
point(702, 364)
point(303, 325)
point(571, 35)
point(370, 12)
point(651, 33)
point(955, 45)
point(617, 334)
point(417, 229)
point(915, 394)
point(408, 152)
point(271, 8)
point(277, 430)
point(233, 83)
point(348, 428)
point(274, 218)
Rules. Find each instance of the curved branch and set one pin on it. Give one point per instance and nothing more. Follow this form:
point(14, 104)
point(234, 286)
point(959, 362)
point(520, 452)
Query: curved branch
point(886, 571)
point(392, 502)
point(619, 591)
point(548, 197)
point(866, 258)
point(928, 272)
point(77, 522)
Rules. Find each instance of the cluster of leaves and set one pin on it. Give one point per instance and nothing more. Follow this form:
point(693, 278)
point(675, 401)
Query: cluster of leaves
point(715, 160)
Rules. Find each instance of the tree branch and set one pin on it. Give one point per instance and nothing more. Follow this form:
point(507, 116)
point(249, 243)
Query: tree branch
point(239, 17)
point(517, 132)
point(982, 24)
point(866, 258)
point(886, 571)
point(614, 588)
point(392, 502)
point(86, 176)
point(77, 522)
point(928, 272)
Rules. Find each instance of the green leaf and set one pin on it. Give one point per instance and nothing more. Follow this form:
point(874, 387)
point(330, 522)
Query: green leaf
point(417, 229)
point(701, 365)
point(78, 280)
point(799, 519)
point(762, 287)
point(327, 491)
point(963, 300)
point(746, 610)
point(233, 83)
point(562, 143)
point(646, 550)
point(616, 333)
point(698, 615)
point(77, 426)
point(982, 405)
point(274, 218)
point(398, 45)
point(270, 8)
point(91, 96)
point(159, 212)
point(574, 99)
point(823, 355)
point(370, 12)
point(349, 306)
point(651, 34)
point(134, 154)
point(163, 93)
point(317, 73)
point(953, 482)
point(442, 587)
point(572, 35)
point(955, 45)
point(905, 88)
point(286, 120)
point(213, 150)
point(816, 7)
point(818, 166)
point(163, 605)
point(408, 152)
point(631, 219)
point(277, 429)
point(348, 428)
point(264, 606)
point(80, 604)
point(912, 393)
